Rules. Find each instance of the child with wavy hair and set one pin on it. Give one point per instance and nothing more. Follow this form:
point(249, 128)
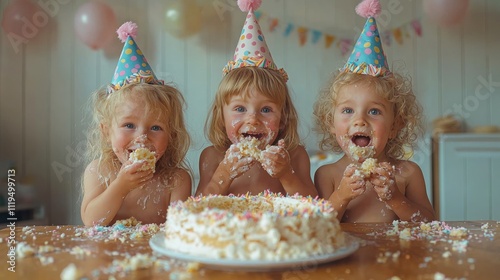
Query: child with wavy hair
point(371, 115)
point(136, 146)
point(252, 125)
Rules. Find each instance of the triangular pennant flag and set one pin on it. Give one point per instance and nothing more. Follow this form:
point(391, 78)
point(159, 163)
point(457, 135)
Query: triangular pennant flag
point(316, 35)
point(398, 35)
point(274, 24)
point(329, 40)
point(387, 37)
point(345, 45)
point(302, 35)
point(417, 27)
point(257, 14)
point(288, 29)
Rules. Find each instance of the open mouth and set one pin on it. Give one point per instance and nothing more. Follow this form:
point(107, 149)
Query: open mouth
point(258, 136)
point(361, 140)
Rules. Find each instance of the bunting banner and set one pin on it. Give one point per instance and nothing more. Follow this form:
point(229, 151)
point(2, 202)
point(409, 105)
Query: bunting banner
point(313, 36)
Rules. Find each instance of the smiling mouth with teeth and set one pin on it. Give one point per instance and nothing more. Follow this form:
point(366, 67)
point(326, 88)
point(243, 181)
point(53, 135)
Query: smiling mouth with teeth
point(258, 136)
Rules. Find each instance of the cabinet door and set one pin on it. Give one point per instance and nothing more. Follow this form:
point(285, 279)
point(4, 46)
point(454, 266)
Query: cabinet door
point(469, 178)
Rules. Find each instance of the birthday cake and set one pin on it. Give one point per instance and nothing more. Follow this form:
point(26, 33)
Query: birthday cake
point(262, 227)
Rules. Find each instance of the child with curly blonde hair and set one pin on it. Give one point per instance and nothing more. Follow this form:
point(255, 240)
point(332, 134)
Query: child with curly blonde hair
point(371, 115)
point(252, 125)
point(136, 146)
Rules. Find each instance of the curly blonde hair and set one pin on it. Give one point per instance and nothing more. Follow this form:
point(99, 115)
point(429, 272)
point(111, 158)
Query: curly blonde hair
point(163, 100)
point(394, 88)
point(241, 81)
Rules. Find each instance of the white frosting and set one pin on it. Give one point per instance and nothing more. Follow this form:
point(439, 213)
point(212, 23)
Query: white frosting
point(263, 227)
point(250, 147)
point(368, 166)
point(360, 153)
point(141, 155)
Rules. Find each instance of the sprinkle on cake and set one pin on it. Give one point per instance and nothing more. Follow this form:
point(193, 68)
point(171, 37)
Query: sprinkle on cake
point(267, 226)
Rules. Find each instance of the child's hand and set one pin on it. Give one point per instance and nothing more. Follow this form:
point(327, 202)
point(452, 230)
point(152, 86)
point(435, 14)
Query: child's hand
point(235, 162)
point(276, 160)
point(352, 185)
point(383, 181)
point(130, 176)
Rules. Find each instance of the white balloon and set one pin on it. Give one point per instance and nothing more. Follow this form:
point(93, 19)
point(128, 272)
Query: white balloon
point(183, 18)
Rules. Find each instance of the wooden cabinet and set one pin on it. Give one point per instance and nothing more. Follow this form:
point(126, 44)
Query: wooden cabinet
point(466, 176)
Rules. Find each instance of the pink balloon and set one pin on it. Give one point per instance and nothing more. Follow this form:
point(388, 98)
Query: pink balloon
point(95, 24)
point(446, 12)
point(18, 18)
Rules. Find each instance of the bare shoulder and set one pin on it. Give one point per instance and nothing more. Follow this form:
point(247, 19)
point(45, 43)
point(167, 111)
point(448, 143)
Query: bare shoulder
point(91, 175)
point(408, 169)
point(182, 185)
point(299, 153)
point(210, 153)
point(182, 176)
point(409, 177)
point(324, 180)
point(325, 171)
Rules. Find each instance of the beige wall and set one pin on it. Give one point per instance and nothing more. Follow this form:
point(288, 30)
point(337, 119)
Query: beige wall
point(45, 84)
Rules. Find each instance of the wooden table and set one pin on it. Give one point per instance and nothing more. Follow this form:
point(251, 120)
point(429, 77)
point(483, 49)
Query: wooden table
point(100, 253)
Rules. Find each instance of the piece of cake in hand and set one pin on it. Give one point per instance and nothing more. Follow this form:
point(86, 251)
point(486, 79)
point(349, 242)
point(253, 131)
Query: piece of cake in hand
point(267, 226)
point(143, 154)
point(249, 146)
point(367, 167)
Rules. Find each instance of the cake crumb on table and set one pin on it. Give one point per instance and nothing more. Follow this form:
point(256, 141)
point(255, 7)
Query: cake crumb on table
point(71, 272)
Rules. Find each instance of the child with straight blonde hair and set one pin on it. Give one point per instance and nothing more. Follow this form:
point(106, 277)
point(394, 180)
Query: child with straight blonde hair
point(371, 114)
point(136, 146)
point(252, 125)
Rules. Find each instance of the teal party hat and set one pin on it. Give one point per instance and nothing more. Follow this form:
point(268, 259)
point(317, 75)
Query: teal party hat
point(368, 56)
point(132, 67)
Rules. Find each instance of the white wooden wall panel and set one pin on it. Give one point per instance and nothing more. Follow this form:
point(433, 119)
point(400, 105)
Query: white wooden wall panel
point(12, 102)
point(36, 115)
point(492, 10)
point(475, 43)
point(63, 180)
point(44, 87)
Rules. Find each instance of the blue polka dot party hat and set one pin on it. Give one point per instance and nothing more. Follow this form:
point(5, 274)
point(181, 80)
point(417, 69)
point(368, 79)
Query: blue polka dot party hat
point(132, 67)
point(368, 56)
point(252, 49)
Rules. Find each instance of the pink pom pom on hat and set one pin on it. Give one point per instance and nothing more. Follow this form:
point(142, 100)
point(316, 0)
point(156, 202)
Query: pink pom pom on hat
point(127, 29)
point(368, 56)
point(252, 50)
point(249, 5)
point(132, 67)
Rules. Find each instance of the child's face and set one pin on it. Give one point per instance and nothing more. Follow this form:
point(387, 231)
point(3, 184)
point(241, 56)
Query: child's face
point(133, 127)
point(253, 116)
point(362, 118)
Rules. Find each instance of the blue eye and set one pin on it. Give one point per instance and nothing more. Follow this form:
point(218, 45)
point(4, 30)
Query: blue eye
point(129, 125)
point(347, 111)
point(266, 110)
point(240, 109)
point(156, 128)
point(374, 112)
